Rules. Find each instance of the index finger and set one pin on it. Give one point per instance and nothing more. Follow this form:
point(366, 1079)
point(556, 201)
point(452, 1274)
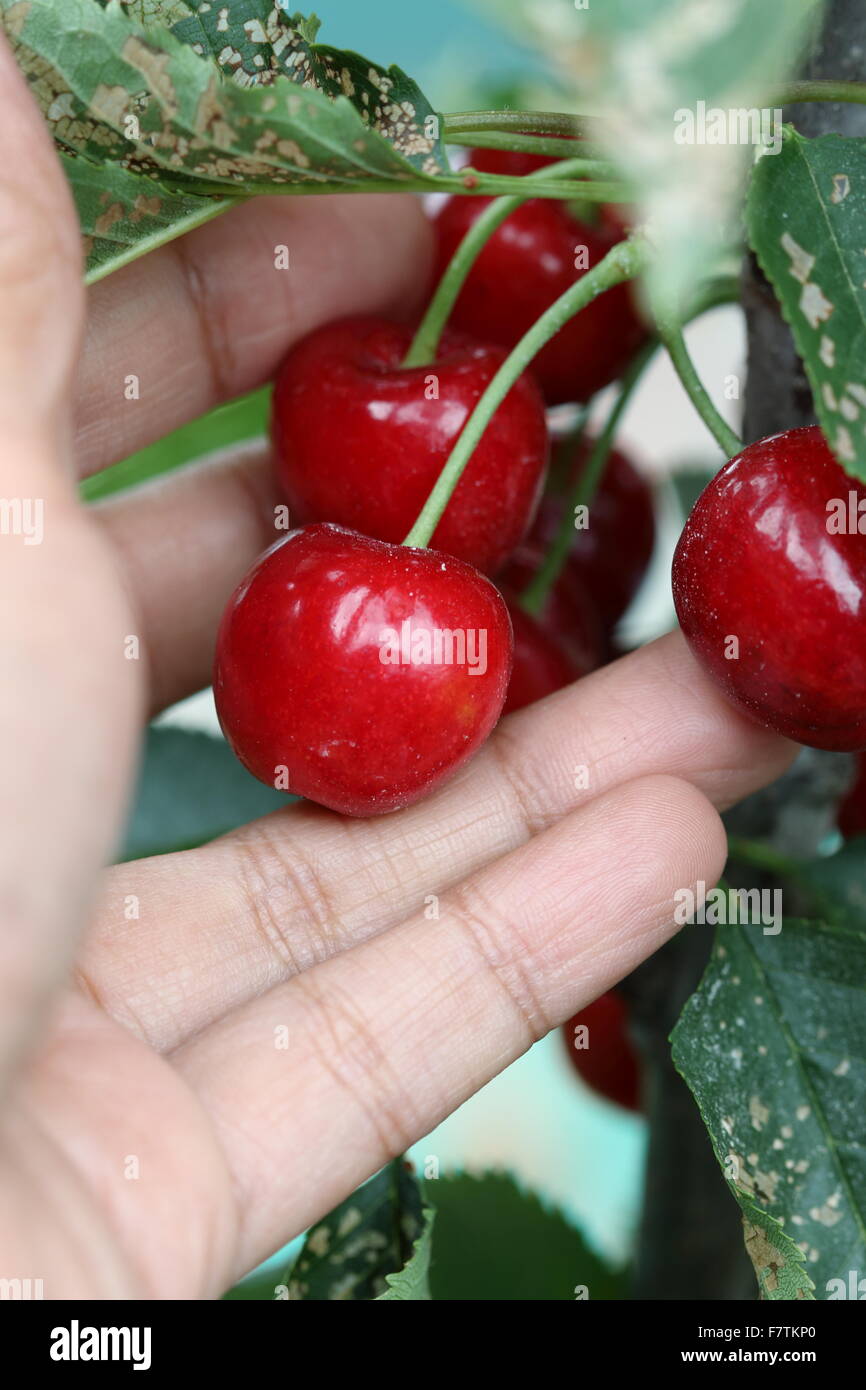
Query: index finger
point(208, 317)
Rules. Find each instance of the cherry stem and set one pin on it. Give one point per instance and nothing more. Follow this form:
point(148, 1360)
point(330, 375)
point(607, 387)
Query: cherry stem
point(721, 290)
point(671, 335)
point(761, 856)
point(423, 346)
point(560, 147)
point(520, 122)
point(533, 598)
point(623, 262)
point(819, 90)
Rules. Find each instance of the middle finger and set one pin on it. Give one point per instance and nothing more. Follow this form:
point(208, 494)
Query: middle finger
point(219, 925)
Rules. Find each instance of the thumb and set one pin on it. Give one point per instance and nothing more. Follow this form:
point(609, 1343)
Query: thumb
point(67, 696)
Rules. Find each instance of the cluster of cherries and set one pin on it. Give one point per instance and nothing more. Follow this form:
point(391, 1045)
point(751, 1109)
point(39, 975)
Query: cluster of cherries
point(328, 678)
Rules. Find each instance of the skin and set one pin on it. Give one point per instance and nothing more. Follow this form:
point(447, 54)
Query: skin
point(155, 1037)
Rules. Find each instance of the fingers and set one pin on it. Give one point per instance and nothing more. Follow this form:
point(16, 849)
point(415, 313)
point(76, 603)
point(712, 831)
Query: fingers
point(221, 924)
point(209, 316)
point(67, 697)
point(185, 542)
point(354, 1061)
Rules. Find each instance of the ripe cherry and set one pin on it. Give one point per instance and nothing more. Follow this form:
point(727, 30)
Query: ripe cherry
point(360, 440)
point(527, 264)
point(606, 1059)
point(567, 616)
point(610, 556)
point(541, 664)
point(851, 818)
point(769, 582)
point(357, 673)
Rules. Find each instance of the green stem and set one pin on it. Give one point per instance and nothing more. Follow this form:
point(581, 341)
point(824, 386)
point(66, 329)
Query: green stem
point(545, 122)
point(471, 182)
point(761, 856)
point(791, 92)
point(559, 147)
point(623, 262)
point(723, 289)
point(480, 184)
point(533, 597)
point(426, 340)
point(672, 337)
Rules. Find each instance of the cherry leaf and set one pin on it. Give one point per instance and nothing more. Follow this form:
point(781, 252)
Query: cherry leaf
point(806, 218)
point(773, 1045)
point(374, 1245)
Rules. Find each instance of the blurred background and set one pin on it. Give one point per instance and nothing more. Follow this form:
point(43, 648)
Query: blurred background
point(537, 1120)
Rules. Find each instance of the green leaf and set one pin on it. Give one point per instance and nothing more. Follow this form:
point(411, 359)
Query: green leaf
point(645, 68)
point(496, 1241)
point(147, 100)
point(779, 1264)
point(191, 789)
point(259, 41)
point(123, 215)
point(155, 12)
point(375, 1245)
point(214, 108)
point(233, 423)
point(773, 1045)
point(836, 884)
point(806, 216)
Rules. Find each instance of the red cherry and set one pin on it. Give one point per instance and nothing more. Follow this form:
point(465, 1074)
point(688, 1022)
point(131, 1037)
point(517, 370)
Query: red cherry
point(772, 601)
point(527, 264)
point(541, 664)
point(608, 1064)
point(611, 555)
point(361, 440)
point(322, 681)
point(514, 162)
point(568, 616)
point(851, 817)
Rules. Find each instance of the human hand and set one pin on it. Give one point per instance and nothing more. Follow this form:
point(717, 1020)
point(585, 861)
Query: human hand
point(154, 1140)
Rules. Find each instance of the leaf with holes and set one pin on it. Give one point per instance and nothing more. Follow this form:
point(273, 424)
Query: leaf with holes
point(123, 215)
point(806, 217)
point(375, 1245)
point(258, 41)
point(779, 1264)
point(146, 100)
point(773, 1045)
